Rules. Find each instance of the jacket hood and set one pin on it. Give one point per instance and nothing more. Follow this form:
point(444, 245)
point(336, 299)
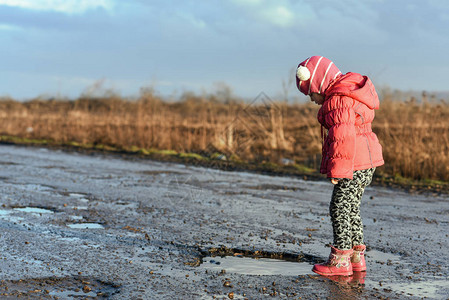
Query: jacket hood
point(355, 86)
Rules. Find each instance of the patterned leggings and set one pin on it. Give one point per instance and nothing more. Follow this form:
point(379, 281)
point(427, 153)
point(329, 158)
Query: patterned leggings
point(345, 209)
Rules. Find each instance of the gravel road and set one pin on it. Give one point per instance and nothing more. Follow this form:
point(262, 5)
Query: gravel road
point(103, 226)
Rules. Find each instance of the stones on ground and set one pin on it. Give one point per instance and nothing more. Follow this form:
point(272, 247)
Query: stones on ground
point(227, 283)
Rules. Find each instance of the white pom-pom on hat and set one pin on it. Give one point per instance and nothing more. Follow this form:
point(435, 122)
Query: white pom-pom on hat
point(303, 73)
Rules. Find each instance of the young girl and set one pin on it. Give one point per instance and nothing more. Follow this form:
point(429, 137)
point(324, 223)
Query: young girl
point(350, 154)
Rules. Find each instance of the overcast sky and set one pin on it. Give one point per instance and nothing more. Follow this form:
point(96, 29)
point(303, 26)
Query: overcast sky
point(67, 47)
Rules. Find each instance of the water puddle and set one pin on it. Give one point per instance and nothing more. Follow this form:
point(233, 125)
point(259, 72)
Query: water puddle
point(58, 288)
point(34, 210)
point(432, 289)
point(256, 266)
point(79, 196)
point(437, 289)
point(73, 294)
point(80, 207)
point(86, 226)
point(4, 212)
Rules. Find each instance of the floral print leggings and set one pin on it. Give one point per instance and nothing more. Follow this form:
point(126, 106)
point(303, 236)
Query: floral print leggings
point(345, 209)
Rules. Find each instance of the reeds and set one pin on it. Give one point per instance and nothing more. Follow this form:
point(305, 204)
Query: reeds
point(414, 136)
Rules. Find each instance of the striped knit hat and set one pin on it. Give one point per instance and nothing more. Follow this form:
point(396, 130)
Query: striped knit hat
point(315, 74)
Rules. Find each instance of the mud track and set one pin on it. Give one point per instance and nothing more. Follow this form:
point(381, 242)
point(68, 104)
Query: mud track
point(102, 227)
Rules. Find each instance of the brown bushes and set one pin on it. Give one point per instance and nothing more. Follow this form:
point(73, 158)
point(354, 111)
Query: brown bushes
point(415, 136)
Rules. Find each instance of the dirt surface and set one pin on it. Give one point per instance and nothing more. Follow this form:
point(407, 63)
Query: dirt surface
point(99, 226)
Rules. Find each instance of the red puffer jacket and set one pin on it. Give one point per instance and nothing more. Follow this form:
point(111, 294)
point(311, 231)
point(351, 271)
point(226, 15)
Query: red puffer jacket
point(347, 113)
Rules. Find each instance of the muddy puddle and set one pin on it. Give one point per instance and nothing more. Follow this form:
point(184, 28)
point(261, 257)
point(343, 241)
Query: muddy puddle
point(262, 266)
point(255, 266)
point(57, 288)
point(433, 289)
point(256, 262)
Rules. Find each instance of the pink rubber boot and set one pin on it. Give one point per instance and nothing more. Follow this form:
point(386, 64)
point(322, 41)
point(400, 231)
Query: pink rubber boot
point(358, 258)
point(339, 263)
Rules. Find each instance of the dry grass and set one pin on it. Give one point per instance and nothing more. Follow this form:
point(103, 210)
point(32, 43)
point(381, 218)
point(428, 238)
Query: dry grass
point(415, 136)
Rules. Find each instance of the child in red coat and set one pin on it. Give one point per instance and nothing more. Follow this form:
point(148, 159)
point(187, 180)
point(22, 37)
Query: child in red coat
point(351, 152)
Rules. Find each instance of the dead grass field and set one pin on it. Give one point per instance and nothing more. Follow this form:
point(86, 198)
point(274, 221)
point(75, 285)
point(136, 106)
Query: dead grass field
point(414, 135)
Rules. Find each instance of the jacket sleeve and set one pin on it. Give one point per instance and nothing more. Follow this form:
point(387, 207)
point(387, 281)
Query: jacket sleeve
point(341, 137)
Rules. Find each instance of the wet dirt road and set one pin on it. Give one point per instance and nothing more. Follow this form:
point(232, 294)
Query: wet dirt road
point(99, 226)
